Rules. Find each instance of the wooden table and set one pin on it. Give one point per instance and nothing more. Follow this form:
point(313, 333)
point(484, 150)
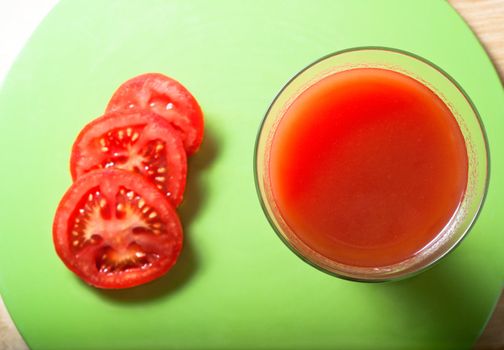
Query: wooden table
point(486, 18)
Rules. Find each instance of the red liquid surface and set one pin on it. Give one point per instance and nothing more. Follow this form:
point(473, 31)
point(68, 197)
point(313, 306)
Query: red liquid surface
point(367, 166)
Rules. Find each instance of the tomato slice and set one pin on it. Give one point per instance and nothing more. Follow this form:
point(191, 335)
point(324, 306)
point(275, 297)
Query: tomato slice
point(166, 97)
point(114, 229)
point(140, 142)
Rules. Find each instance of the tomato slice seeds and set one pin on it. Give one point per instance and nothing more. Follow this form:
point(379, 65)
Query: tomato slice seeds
point(140, 142)
point(166, 97)
point(114, 229)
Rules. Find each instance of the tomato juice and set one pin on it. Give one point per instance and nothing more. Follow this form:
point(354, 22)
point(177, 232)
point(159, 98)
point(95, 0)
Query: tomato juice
point(367, 166)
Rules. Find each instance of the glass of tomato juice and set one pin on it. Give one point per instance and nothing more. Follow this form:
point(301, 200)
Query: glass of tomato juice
point(371, 164)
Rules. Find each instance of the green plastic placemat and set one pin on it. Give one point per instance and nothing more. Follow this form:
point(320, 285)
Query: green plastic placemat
point(236, 285)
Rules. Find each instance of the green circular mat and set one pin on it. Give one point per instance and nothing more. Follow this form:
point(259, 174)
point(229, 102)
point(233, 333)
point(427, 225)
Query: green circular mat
point(236, 285)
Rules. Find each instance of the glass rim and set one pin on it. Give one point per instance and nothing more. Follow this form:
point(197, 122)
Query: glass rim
point(466, 230)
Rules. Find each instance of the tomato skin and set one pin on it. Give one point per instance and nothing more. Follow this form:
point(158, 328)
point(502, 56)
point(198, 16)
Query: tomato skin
point(83, 263)
point(168, 98)
point(87, 151)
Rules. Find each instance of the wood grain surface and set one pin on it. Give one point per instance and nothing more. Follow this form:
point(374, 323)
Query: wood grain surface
point(486, 18)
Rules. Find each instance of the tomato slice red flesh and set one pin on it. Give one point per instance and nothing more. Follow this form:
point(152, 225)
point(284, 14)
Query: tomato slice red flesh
point(140, 142)
point(115, 229)
point(166, 97)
